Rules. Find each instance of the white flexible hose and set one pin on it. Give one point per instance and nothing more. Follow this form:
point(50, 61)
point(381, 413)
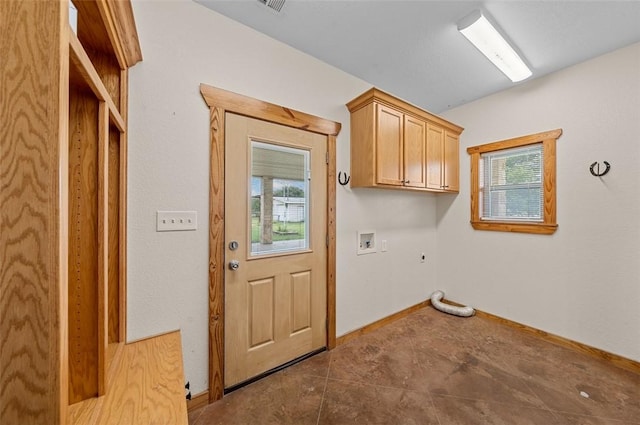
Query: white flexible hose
point(447, 308)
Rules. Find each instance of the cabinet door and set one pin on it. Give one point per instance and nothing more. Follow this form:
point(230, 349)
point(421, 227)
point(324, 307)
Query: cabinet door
point(389, 158)
point(451, 162)
point(414, 152)
point(435, 141)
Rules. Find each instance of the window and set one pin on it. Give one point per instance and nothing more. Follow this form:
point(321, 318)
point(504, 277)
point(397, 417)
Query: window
point(513, 184)
point(279, 218)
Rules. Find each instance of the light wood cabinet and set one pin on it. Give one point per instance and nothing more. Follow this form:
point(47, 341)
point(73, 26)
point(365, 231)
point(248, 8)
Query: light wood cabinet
point(390, 125)
point(63, 196)
point(442, 159)
point(397, 145)
point(414, 152)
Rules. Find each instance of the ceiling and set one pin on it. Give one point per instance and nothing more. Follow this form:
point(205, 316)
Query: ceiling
point(413, 50)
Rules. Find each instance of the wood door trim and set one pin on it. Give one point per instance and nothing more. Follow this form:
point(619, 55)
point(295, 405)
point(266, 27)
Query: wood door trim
point(219, 102)
point(254, 108)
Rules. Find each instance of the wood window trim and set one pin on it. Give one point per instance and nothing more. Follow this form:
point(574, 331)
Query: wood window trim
point(219, 102)
point(548, 226)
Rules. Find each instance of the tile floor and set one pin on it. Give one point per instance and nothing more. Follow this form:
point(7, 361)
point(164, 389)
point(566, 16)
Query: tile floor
point(432, 368)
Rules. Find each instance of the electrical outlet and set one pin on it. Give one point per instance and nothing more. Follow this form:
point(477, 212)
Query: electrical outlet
point(172, 221)
point(383, 245)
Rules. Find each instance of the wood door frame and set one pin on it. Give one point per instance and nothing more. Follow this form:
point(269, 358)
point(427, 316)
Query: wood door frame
point(220, 102)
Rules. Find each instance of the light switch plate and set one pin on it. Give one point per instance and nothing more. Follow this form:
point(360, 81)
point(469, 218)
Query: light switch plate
point(173, 221)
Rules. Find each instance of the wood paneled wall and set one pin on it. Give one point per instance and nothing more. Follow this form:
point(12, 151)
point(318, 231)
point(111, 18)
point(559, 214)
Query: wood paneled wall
point(33, 229)
point(83, 246)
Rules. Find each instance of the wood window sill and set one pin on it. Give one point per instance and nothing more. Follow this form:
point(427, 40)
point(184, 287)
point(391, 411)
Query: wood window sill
point(506, 226)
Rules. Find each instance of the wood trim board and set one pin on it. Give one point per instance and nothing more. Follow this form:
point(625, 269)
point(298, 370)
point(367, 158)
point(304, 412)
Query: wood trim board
point(197, 401)
point(615, 359)
point(331, 243)
point(220, 102)
point(216, 255)
point(343, 339)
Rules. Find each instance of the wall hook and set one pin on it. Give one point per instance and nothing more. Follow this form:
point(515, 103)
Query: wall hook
point(344, 181)
point(597, 172)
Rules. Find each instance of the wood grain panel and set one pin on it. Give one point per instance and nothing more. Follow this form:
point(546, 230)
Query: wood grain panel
point(414, 152)
point(122, 229)
point(363, 147)
point(261, 311)
point(33, 229)
point(244, 105)
point(216, 253)
point(109, 72)
point(331, 243)
point(549, 148)
point(86, 412)
point(81, 65)
point(120, 26)
point(475, 182)
point(148, 387)
point(108, 26)
point(113, 301)
point(516, 142)
point(102, 241)
point(91, 29)
point(435, 140)
point(300, 301)
point(389, 146)
point(451, 171)
point(83, 246)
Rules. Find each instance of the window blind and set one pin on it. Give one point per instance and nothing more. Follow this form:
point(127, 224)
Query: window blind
point(511, 184)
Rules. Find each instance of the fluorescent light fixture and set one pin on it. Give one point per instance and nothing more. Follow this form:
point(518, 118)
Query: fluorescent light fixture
point(488, 40)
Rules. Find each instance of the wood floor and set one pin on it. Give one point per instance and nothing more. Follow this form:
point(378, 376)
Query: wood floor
point(431, 368)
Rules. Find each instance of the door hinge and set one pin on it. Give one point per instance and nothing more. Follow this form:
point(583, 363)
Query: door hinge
point(327, 241)
point(326, 157)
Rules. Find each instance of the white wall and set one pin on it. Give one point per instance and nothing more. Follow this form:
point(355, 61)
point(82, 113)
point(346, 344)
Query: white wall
point(185, 44)
point(586, 282)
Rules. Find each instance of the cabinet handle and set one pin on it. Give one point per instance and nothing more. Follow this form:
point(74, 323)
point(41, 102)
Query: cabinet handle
point(444, 187)
point(405, 182)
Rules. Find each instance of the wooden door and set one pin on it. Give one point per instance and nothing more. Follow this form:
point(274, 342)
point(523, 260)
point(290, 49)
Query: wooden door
point(435, 140)
point(414, 152)
point(451, 162)
point(275, 245)
point(389, 154)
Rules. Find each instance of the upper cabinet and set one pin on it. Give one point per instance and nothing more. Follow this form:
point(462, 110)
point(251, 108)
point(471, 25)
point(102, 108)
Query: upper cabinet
point(442, 159)
point(397, 145)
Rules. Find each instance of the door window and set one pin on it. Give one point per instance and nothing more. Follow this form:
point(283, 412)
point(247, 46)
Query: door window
point(279, 203)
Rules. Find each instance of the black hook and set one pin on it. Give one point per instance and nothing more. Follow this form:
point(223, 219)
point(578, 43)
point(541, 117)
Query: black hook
point(598, 173)
point(346, 178)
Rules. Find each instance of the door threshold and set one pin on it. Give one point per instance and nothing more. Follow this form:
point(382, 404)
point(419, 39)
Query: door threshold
point(274, 370)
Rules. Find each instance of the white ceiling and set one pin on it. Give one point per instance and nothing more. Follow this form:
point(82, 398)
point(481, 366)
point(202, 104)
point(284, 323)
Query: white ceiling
point(413, 50)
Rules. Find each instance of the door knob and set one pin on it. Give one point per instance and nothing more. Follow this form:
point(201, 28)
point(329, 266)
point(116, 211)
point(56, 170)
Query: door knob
point(234, 265)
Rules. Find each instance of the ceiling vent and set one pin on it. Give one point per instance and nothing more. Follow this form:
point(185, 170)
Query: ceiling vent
point(273, 4)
